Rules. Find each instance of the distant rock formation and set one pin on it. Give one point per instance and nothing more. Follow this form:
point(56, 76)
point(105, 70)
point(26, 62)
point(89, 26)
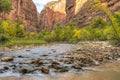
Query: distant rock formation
point(52, 14)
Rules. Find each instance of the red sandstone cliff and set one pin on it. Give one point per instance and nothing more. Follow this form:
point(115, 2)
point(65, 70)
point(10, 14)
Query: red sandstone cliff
point(52, 14)
point(78, 11)
point(26, 12)
point(82, 14)
point(57, 12)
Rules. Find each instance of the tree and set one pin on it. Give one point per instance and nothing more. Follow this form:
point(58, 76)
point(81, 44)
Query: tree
point(97, 4)
point(5, 7)
point(117, 16)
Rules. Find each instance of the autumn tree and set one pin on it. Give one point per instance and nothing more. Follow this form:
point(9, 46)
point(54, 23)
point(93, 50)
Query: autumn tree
point(97, 4)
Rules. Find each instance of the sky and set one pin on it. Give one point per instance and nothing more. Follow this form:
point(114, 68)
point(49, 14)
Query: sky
point(40, 3)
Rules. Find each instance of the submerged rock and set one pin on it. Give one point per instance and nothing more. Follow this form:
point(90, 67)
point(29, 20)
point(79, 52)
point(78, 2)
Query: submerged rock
point(1, 71)
point(28, 50)
point(24, 71)
point(6, 68)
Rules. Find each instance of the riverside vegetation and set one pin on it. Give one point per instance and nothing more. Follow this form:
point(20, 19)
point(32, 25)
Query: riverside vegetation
point(100, 29)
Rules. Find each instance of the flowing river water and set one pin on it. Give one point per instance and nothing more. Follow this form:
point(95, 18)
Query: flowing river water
point(57, 62)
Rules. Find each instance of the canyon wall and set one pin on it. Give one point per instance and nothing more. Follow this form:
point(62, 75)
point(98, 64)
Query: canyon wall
point(57, 12)
point(80, 12)
point(52, 14)
point(26, 12)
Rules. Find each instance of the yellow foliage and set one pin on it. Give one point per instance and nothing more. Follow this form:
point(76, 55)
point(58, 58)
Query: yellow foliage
point(8, 28)
point(77, 33)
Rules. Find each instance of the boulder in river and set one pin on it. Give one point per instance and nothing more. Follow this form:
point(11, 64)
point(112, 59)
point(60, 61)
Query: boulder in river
point(33, 61)
point(6, 68)
point(63, 69)
point(45, 70)
point(6, 59)
point(76, 67)
point(24, 71)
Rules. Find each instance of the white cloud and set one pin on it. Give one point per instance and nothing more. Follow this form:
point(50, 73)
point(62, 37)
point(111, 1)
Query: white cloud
point(40, 3)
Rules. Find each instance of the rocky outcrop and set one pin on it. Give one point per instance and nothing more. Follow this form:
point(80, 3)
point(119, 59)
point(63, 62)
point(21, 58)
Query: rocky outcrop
point(26, 12)
point(52, 14)
point(81, 13)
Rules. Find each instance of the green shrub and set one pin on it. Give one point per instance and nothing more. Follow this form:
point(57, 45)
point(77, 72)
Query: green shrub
point(98, 22)
point(7, 28)
point(20, 32)
point(57, 30)
point(4, 38)
point(43, 33)
point(5, 5)
point(51, 37)
point(117, 17)
point(31, 35)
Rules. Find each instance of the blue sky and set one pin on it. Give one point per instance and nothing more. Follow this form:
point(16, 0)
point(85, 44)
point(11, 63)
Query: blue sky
point(40, 3)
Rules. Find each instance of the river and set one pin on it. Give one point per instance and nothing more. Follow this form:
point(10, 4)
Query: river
point(55, 62)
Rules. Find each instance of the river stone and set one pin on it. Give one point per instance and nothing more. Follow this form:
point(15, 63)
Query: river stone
point(45, 70)
point(28, 50)
point(1, 54)
point(63, 69)
point(53, 50)
point(20, 56)
point(44, 55)
point(36, 61)
point(69, 62)
point(64, 60)
point(55, 62)
point(6, 59)
point(1, 71)
point(26, 62)
point(96, 63)
point(6, 68)
point(24, 71)
point(79, 49)
point(76, 67)
point(55, 66)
